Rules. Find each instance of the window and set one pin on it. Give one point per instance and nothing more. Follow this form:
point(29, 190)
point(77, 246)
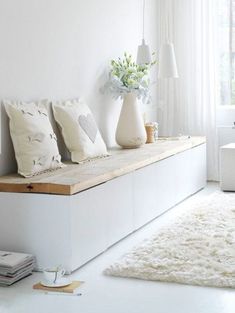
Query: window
point(226, 48)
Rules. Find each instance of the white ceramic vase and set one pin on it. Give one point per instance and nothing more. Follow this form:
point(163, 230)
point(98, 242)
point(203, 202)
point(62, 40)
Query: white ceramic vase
point(130, 131)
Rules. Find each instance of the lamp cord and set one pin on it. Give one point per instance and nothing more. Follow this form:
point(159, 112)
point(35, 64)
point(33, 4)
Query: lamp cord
point(167, 15)
point(143, 18)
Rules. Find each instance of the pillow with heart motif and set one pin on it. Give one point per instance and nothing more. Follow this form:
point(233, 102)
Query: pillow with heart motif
point(79, 130)
point(33, 138)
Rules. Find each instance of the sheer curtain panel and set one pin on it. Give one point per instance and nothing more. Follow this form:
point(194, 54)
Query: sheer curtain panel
point(187, 105)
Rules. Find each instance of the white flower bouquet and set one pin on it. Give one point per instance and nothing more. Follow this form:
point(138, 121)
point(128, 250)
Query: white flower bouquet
point(128, 77)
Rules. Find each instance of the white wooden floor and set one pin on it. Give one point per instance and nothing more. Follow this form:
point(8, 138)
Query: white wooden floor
point(101, 294)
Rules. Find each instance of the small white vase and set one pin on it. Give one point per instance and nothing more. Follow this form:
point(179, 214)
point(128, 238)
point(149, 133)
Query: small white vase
point(130, 131)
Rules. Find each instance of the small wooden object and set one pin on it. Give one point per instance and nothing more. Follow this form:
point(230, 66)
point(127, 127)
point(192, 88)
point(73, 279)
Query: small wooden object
point(150, 133)
point(66, 289)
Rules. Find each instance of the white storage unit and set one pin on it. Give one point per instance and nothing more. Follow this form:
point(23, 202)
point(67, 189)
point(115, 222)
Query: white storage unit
point(72, 229)
point(227, 167)
point(161, 185)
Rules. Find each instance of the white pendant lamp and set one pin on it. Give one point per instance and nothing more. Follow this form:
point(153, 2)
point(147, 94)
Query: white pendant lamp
point(143, 54)
point(167, 62)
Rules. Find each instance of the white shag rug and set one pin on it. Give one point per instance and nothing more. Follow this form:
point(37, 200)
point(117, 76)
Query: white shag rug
point(198, 248)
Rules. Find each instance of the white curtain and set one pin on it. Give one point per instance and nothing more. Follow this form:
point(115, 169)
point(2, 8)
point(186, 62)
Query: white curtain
point(187, 105)
point(226, 49)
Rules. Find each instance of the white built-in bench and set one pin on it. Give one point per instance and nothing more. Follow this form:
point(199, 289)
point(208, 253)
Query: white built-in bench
point(71, 215)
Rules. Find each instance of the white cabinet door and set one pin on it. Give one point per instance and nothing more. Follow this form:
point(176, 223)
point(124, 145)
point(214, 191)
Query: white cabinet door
point(182, 175)
point(154, 191)
point(198, 168)
point(100, 217)
point(162, 185)
point(190, 172)
point(119, 201)
point(36, 224)
point(88, 225)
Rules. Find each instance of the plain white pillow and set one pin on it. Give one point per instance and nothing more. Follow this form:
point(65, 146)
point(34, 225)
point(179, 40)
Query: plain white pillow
point(33, 138)
point(79, 130)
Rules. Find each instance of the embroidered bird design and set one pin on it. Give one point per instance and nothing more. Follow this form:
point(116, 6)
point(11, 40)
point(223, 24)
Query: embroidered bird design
point(42, 112)
point(40, 161)
point(26, 112)
point(36, 137)
point(53, 136)
point(56, 158)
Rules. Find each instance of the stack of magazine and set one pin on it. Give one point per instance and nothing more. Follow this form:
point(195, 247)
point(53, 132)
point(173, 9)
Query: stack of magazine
point(15, 266)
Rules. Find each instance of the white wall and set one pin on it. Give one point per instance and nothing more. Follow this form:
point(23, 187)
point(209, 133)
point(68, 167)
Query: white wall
point(60, 49)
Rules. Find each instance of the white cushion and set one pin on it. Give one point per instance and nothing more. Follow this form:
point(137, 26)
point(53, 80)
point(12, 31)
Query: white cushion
point(79, 130)
point(34, 141)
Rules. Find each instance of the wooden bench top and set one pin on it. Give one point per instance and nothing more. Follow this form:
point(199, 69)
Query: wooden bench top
point(78, 177)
